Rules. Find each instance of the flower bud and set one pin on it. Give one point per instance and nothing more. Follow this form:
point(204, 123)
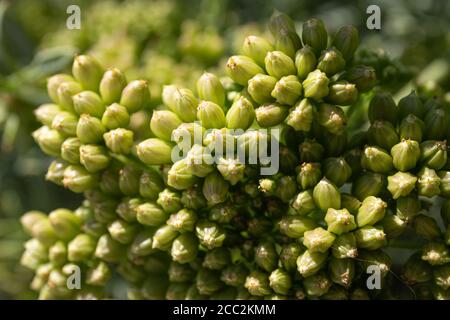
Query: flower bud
point(428, 183)
point(150, 184)
point(336, 170)
point(305, 61)
point(94, 157)
point(278, 64)
point(345, 246)
point(154, 287)
point(58, 254)
point(287, 40)
point(311, 151)
point(111, 85)
point(331, 118)
point(210, 234)
point(405, 155)
point(433, 154)
point(331, 62)
point(296, 226)
point(426, 227)
point(342, 271)
point(309, 263)
point(315, 35)
point(65, 223)
point(382, 107)
point(164, 237)
point(99, 274)
point(411, 105)
point(309, 175)
point(346, 40)
point(232, 170)
point(122, 231)
point(169, 200)
point(155, 151)
point(211, 115)
point(280, 281)
point(382, 134)
point(408, 207)
point(364, 77)
point(368, 184)
point(163, 123)
point(45, 113)
point(315, 86)
point(376, 258)
point(301, 116)
point(242, 68)
point(441, 277)
point(180, 272)
point(184, 248)
point(266, 256)
point(257, 284)
point(78, 179)
point(241, 114)
point(339, 221)
point(53, 84)
point(88, 102)
point(436, 124)
point(393, 226)
point(210, 88)
point(89, 129)
point(192, 198)
point(317, 285)
point(81, 248)
point(142, 243)
point(65, 92)
point(55, 172)
point(119, 140)
point(371, 211)
point(180, 176)
point(135, 96)
point(289, 254)
point(256, 48)
point(342, 93)
point(260, 88)
point(150, 214)
point(269, 115)
point(184, 220)
point(412, 128)
point(215, 188)
point(326, 195)
point(49, 140)
point(401, 184)
point(287, 90)
point(87, 71)
point(109, 250)
point(181, 101)
point(376, 159)
point(115, 116)
point(370, 237)
point(70, 150)
point(303, 203)
point(318, 240)
point(435, 253)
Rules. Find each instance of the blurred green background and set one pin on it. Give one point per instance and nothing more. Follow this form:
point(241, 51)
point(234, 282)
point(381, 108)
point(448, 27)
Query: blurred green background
point(169, 41)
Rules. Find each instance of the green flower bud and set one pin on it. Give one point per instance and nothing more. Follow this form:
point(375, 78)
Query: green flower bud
point(411, 105)
point(115, 116)
point(184, 248)
point(315, 34)
point(257, 284)
point(436, 124)
point(260, 88)
point(30, 218)
point(286, 188)
point(269, 115)
point(412, 128)
point(339, 221)
point(296, 226)
point(192, 198)
point(129, 177)
point(210, 88)
point(331, 118)
point(287, 41)
point(382, 107)
point(416, 271)
point(155, 288)
point(370, 237)
point(94, 158)
point(351, 203)
point(232, 170)
point(108, 249)
point(135, 96)
point(208, 281)
point(256, 48)
point(317, 285)
point(287, 90)
point(180, 176)
point(234, 275)
point(401, 184)
point(326, 195)
point(35, 254)
point(393, 226)
point(119, 140)
point(280, 281)
point(311, 151)
point(309, 263)
point(211, 115)
point(199, 161)
point(88, 102)
point(58, 253)
point(65, 223)
point(111, 85)
point(150, 184)
point(215, 188)
point(180, 272)
point(217, 259)
point(435, 253)
point(376, 159)
point(266, 256)
point(163, 237)
point(331, 62)
point(181, 101)
point(177, 291)
point(241, 114)
point(183, 220)
point(364, 77)
point(377, 258)
point(43, 230)
point(242, 68)
point(428, 183)
point(65, 92)
point(305, 61)
point(368, 184)
point(408, 207)
point(346, 40)
point(345, 246)
point(169, 200)
point(301, 116)
point(318, 240)
point(315, 86)
point(78, 179)
point(45, 113)
point(309, 174)
point(439, 293)
point(163, 122)
point(87, 71)
point(336, 170)
point(426, 227)
point(49, 140)
point(433, 154)
point(150, 214)
point(70, 150)
point(81, 248)
point(445, 183)
point(405, 155)
point(210, 234)
point(342, 271)
point(382, 134)
point(99, 274)
point(89, 129)
point(53, 84)
point(154, 151)
point(142, 244)
point(303, 203)
point(289, 254)
point(278, 64)
point(441, 277)
point(55, 172)
point(371, 211)
point(342, 93)
point(193, 294)
point(122, 231)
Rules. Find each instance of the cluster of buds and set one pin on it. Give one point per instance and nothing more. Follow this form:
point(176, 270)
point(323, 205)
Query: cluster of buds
point(191, 213)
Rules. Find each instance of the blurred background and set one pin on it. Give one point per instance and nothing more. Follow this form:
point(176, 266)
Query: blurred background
point(170, 41)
